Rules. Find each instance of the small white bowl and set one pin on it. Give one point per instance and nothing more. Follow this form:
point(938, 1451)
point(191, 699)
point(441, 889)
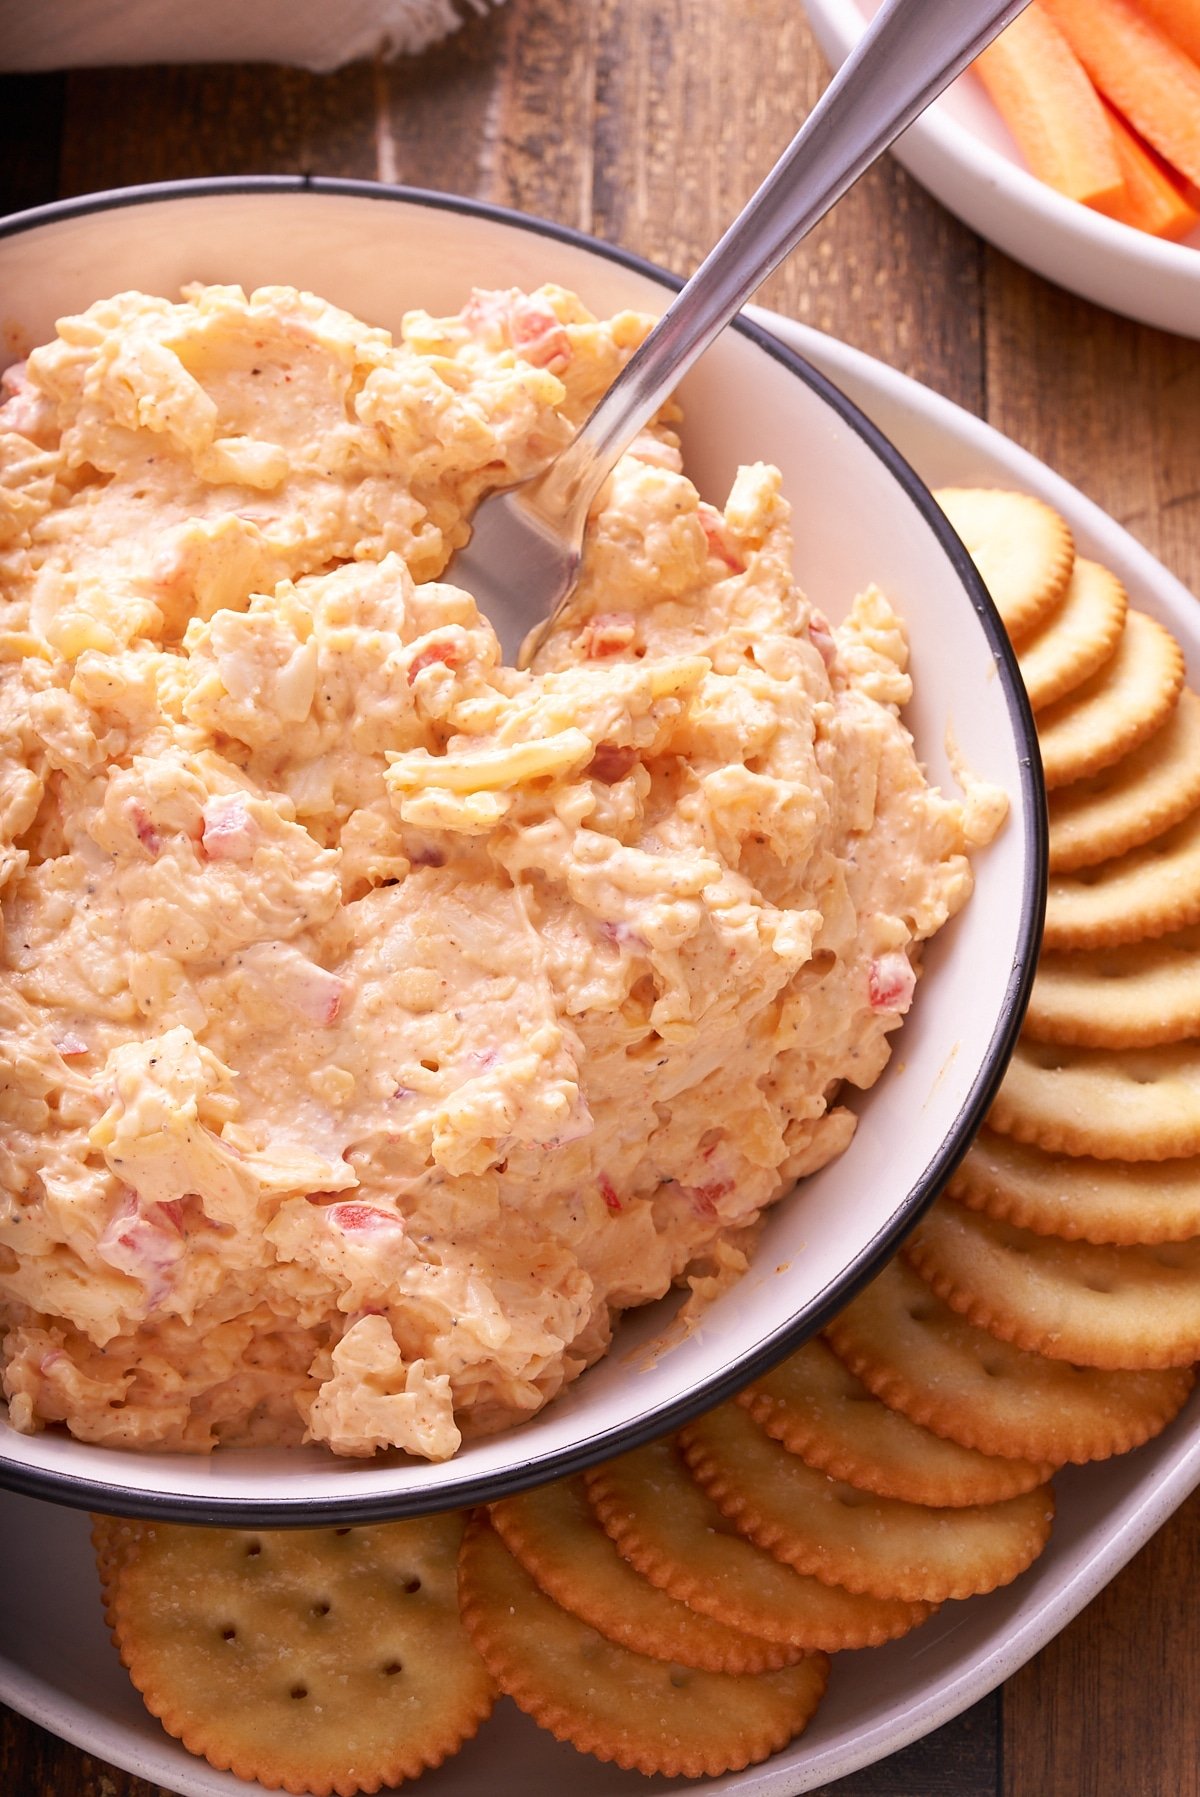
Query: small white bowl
point(861, 515)
point(960, 149)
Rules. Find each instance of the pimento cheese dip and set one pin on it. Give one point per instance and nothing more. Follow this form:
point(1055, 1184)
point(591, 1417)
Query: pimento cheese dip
point(380, 1021)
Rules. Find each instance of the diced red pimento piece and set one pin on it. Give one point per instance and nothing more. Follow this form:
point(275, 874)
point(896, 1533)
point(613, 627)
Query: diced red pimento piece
point(609, 1193)
point(144, 828)
point(608, 633)
point(716, 535)
point(611, 762)
point(316, 993)
point(448, 650)
point(538, 337)
point(820, 635)
point(356, 1218)
point(24, 408)
point(229, 833)
point(703, 1199)
point(890, 982)
point(510, 319)
point(144, 1241)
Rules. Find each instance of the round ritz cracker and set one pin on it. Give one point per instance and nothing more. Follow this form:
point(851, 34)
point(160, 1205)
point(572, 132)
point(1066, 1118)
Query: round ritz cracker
point(1134, 800)
point(1023, 550)
point(916, 1354)
point(1149, 891)
point(314, 1660)
point(834, 1531)
point(1134, 1104)
point(559, 1540)
point(1135, 995)
point(644, 1714)
point(1077, 1198)
point(1081, 636)
point(1117, 709)
point(815, 1407)
point(1091, 1304)
point(666, 1526)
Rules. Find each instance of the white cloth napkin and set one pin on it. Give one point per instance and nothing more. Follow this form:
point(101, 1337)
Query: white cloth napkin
point(313, 34)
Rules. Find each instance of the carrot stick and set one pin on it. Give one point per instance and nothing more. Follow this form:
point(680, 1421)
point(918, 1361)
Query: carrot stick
point(1051, 108)
point(1151, 200)
point(1140, 70)
point(1178, 20)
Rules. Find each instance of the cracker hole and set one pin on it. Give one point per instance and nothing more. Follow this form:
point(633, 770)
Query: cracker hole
point(392, 1668)
point(298, 1692)
point(920, 1313)
point(412, 1586)
point(229, 1633)
point(341, 1531)
point(321, 1609)
point(990, 1370)
point(1099, 1285)
point(851, 1500)
point(680, 1678)
point(253, 1550)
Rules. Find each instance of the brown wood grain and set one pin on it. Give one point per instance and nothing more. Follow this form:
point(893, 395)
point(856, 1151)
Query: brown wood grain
point(649, 122)
point(1109, 1708)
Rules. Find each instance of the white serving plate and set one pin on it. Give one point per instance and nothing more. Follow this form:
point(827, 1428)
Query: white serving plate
point(960, 149)
point(56, 1664)
point(860, 515)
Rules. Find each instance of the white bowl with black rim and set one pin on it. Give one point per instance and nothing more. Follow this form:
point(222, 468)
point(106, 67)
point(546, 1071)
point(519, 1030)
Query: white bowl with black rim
point(860, 515)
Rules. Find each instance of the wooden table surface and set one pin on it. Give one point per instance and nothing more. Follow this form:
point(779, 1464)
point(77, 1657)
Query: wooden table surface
point(648, 122)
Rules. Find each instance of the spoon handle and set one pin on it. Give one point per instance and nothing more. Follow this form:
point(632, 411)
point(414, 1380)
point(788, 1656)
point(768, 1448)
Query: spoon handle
point(911, 50)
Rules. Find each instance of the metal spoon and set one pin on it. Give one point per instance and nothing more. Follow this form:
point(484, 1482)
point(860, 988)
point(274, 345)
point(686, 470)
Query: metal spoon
point(522, 560)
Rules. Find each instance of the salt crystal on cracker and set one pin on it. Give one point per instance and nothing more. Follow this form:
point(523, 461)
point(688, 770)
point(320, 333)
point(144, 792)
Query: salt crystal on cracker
point(1148, 892)
point(642, 1713)
point(559, 1540)
point(312, 1660)
point(1080, 638)
point(670, 1529)
point(1134, 1104)
point(920, 1356)
point(1109, 1307)
point(1076, 1197)
point(1116, 709)
point(1133, 801)
point(837, 1532)
point(1022, 548)
point(1136, 995)
point(815, 1407)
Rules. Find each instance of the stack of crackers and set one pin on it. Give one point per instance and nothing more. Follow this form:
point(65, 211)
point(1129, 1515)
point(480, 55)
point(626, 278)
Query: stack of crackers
point(673, 1611)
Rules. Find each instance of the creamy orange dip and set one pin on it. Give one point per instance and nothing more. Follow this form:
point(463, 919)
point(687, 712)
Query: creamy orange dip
point(379, 1021)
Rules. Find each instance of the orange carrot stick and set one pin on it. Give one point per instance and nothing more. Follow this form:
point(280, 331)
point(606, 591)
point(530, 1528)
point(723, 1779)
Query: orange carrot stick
point(1179, 20)
point(1151, 200)
point(1054, 113)
point(1138, 68)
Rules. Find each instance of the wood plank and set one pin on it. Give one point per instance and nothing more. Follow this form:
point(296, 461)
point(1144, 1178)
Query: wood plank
point(168, 124)
point(1109, 404)
point(34, 1763)
point(30, 124)
point(960, 1760)
point(695, 100)
point(1108, 1709)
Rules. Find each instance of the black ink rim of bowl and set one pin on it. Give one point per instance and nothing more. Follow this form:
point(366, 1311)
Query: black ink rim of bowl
point(80, 1491)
